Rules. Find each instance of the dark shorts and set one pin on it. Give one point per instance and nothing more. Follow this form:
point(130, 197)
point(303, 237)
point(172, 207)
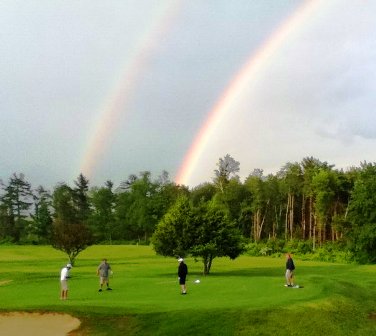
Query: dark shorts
point(182, 281)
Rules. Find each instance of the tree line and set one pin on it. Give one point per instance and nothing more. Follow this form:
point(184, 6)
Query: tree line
point(308, 201)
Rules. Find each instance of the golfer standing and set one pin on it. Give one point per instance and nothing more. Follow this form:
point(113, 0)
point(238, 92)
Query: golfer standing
point(289, 270)
point(182, 274)
point(103, 271)
point(64, 275)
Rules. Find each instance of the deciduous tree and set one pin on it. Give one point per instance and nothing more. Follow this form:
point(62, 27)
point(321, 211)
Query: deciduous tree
point(70, 232)
point(362, 215)
point(204, 232)
point(228, 168)
point(102, 218)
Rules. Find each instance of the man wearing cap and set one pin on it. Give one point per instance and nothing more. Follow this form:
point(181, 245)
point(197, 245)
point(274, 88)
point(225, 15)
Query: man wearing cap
point(182, 274)
point(64, 275)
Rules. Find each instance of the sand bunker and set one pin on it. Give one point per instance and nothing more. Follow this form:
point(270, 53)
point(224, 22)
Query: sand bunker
point(16, 324)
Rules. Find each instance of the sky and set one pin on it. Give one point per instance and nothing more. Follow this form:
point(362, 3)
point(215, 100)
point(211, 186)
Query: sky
point(114, 88)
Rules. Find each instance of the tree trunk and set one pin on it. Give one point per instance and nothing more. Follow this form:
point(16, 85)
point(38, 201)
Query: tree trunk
point(303, 218)
point(289, 224)
point(287, 216)
point(314, 233)
point(292, 216)
point(311, 234)
point(207, 263)
point(257, 225)
point(263, 220)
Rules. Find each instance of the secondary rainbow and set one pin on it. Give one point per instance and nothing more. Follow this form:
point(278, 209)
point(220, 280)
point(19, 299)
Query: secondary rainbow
point(255, 63)
point(115, 104)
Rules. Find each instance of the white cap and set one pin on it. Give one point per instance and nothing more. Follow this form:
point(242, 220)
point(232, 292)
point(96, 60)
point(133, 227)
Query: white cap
point(180, 259)
point(69, 265)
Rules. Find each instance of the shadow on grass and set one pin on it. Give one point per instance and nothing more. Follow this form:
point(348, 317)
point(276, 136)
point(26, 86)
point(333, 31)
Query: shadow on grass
point(274, 271)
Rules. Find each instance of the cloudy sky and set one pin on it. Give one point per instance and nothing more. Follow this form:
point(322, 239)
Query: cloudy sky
point(113, 88)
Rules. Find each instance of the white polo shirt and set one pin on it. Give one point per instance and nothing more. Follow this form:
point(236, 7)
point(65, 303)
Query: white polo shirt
point(64, 273)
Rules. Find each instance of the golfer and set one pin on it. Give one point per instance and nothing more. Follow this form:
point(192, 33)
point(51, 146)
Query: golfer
point(103, 270)
point(64, 275)
point(182, 274)
point(290, 267)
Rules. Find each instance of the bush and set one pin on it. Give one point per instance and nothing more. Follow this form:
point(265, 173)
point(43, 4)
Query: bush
point(291, 246)
point(264, 251)
point(276, 245)
point(329, 252)
point(254, 249)
point(6, 241)
point(304, 247)
point(298, 246)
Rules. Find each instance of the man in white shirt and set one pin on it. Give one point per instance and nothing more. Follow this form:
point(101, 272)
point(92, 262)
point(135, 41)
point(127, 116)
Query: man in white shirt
point(64, 275)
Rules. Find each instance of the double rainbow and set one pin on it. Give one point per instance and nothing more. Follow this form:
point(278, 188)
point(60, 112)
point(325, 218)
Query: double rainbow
point(163, 18)
point(248, 72)
point(234, 92)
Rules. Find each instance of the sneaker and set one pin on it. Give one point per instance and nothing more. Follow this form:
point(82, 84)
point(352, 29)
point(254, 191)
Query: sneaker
point(184, 293)
point(100, 289)
point(108, 288)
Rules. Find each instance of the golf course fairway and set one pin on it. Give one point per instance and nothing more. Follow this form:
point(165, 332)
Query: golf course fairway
point(245, 296)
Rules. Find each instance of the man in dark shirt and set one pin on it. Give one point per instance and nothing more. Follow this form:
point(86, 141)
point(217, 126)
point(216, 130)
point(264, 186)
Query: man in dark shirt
point(182, 274)
point(289, 270)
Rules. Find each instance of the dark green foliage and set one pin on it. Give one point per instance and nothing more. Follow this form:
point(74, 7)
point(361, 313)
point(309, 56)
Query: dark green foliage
point(174, 234)
point(306, 204)
point(216, 236)
point(203, 193)
point(71, 238)
point(70, 232)
point(102, 217)
point(6, 224)
point(141, 203)
point(362, 215)
point(81, 199)
point(233, 197)
point(41, 226)
point(16, 202)
point(330, 251)
point(64, 204)
point(205, 232)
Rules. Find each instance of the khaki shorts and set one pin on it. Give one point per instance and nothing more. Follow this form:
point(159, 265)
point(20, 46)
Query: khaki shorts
point(103, 279)
point(64, 284)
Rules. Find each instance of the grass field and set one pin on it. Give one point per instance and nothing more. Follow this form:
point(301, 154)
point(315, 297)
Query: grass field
point(241, 297)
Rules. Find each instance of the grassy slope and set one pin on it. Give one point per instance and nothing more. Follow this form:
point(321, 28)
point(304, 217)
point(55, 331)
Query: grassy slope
point(241, 297)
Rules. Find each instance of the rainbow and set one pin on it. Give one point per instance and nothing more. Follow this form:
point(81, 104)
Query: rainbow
point(233, 93)
point(121, 94)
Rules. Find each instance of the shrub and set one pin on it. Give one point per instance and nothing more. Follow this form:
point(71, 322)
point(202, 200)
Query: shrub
point(276, 245)
point(253, 249)
point(304, 247)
